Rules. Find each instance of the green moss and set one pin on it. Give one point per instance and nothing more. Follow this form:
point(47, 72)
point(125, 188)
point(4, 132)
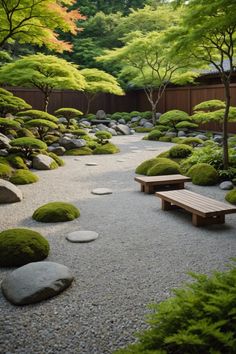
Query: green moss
point(173, 117)
point(180, 151)
point(57, 159)
point(50, 139)
point(177, 140)
point(143, 168)
point(24, 132)
point(30, 143)
point(3, 160)
point(102, 135)
point(79, 151)
point(203, 174)
point(17, 162)
point(22, 246)
point(80, 132)
point(143, 130)
point(154, 135)
point(186, 125)
point(23, 177)
point(5, 171)
point(164, 167)
point(92, 144)
point(53, 165)
point(231, 196)
point(56, 212)
point(192, 141)
point(108, 148)
point(165, 139)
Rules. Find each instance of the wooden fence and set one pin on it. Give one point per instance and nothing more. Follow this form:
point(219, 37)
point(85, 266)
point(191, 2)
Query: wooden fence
point(184, 98)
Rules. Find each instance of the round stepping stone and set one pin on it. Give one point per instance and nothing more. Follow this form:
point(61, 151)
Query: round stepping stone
point(91, 164)
point(82, 236)
point(120, 160)
point(101, 191)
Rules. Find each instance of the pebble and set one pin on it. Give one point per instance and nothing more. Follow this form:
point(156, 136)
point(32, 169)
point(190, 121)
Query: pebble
point(101, 191)
point(91, 164)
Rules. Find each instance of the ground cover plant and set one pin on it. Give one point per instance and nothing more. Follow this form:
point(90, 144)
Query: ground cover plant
point(56, 212)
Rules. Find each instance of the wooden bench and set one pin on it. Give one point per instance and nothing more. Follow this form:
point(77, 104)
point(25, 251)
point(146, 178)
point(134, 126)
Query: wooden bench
point(150, 184)
point(204, 210)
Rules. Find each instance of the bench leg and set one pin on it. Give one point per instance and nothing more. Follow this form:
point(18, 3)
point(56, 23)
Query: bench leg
point(142, 187)
point(165, 205)
point(180, 185)
point(198, 220)
point(148, 189)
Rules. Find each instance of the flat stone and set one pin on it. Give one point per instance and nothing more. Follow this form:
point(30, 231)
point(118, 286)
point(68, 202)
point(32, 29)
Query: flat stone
point(101, 191)
point(82, 236)
point(9, 193)
point(124, 129)
point(35, 282)
point(91, 164)
point(121, 160)
point(59, 150)
point(226, 185)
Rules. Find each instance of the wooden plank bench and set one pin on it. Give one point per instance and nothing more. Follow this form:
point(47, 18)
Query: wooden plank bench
point(150, 184)
point(204, 210)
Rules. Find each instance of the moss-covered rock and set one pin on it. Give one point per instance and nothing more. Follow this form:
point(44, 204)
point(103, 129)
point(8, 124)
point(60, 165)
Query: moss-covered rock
point(17, 162)
point(108, 148)
point(231, 196)
point(79, 151)
point(203, 174)
point(154, 135)
point(22, 246)
point(180, 151)
point(23, 177)
point(192, 141)
point(56, 212)
point(143, 168)
point(5, 171)
point(57, 159)
point(165, 139)
point(24, 132)
point(164, 167)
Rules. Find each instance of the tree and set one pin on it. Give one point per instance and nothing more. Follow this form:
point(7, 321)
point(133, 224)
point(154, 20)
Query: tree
point(212, 110)
point(45, 72)
point(207, 35)
point(68, 114)
point(98, 81)
point(10, 103)
point(36, 22)
point(146, 63)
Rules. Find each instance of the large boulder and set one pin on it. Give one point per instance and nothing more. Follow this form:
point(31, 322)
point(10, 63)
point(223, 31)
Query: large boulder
point(112, 131)
point(148, 125)
point(226, 185)
point(4, 142)
point(100, 114)
point(9, 193)
point(123, 129)
point(58, 150)
point(70, 143)
point(43, 162)
point(35, 282)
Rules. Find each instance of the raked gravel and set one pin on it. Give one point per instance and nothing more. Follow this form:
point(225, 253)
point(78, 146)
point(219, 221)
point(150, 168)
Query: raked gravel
point(141, 254)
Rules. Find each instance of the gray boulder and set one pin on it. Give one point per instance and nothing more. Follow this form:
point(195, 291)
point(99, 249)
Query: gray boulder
point(142, 121)
point(42, 162)
point(35, 282)
point(158, 114)
point(101, 126)
point(218, 139)
point(86, 123)
point(58, 150)
point(148, 125)
point(3, 152)
point(171, 134)
point(202, 137)
point(123, 129)
point(112, 131)
point(70, 143)
point(101, 114)
point(62, 120)
point(9, 193)
point(181, 134)
point(135, 119)
point(121, 121)
point(4, 142)
point(226, 185)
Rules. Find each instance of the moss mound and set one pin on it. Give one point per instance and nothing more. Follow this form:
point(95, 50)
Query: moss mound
point(143, 168)
point(23, 177)
point(203, 174)
point(22, 246)
point(154, 135)
point(180, 151)
point(231, 196)
point(164, 166)
point(108, 148)
point(57, 159)
point(80, 151)
point(56, 212)
point(165, 139)
point(5, 171)
point(192, 141)
point(17, 162)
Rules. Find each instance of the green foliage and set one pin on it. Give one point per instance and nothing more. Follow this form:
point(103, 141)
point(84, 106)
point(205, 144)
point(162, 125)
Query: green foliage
point(11, 104)
point(143, 168)
point(154, 135)
point(161, 127)
point(165, 139)
point(135, 114)
point(56, 212)
point(146, 115)
point(24, 132)
point(180, 151)
point(22, 246)
point(36, 114)
point(49, 139)
point(5, 171)
point(79, 151)
point(209, 106)
point(203, 174)
point(17, 162)
point(68, 113)
point(23, 177)
point(173, 117)
point(143, 130)
point(164, 166)
point(57, 159)
point(103, 136)
point(186, 125)
point(28, 145)
point(192, 141)
point(6, 123)
point(107, 148)
point(231, 196)
point(200, 318)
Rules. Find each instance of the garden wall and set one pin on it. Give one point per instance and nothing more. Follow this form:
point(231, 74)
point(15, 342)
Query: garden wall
point(184, 98)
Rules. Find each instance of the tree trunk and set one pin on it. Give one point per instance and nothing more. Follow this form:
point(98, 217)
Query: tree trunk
point(225, 125)
point(88, 105)
point(154, 111)
point(46, 101)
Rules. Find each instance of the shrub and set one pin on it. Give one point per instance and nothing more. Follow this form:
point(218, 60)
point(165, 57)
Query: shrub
point(146, 115)
point(154, 135)
point(24, 132)
point(177, 140)
point(108, 148)
point(143, 130)
point(50, 139)
point(200, 318)
point(68, 113)
point(79, 151)
point(165, 139)
point(80, 132)
point(203, 174)
point(209, 106)
point(164, 167)
point(57, 159)
point(6, 124)
point(36, 114)
point(192, 141)
point(184, 125)
point(173, 117)
point(56, 212)
point(42, 126)
point(22, 246)
point(28, 145)
point(11, 104)
point(5, 171)
point(180, 151)
point(143, 168)
point(102, 135)
point(231, 196)
point(161, 127)
point(134, 114)
point(23, 177)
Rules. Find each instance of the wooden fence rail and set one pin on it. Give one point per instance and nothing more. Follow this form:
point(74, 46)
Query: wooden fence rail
point(184, 98)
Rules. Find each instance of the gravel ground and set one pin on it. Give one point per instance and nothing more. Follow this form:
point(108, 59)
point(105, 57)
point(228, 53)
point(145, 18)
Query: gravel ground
point(142, 253)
